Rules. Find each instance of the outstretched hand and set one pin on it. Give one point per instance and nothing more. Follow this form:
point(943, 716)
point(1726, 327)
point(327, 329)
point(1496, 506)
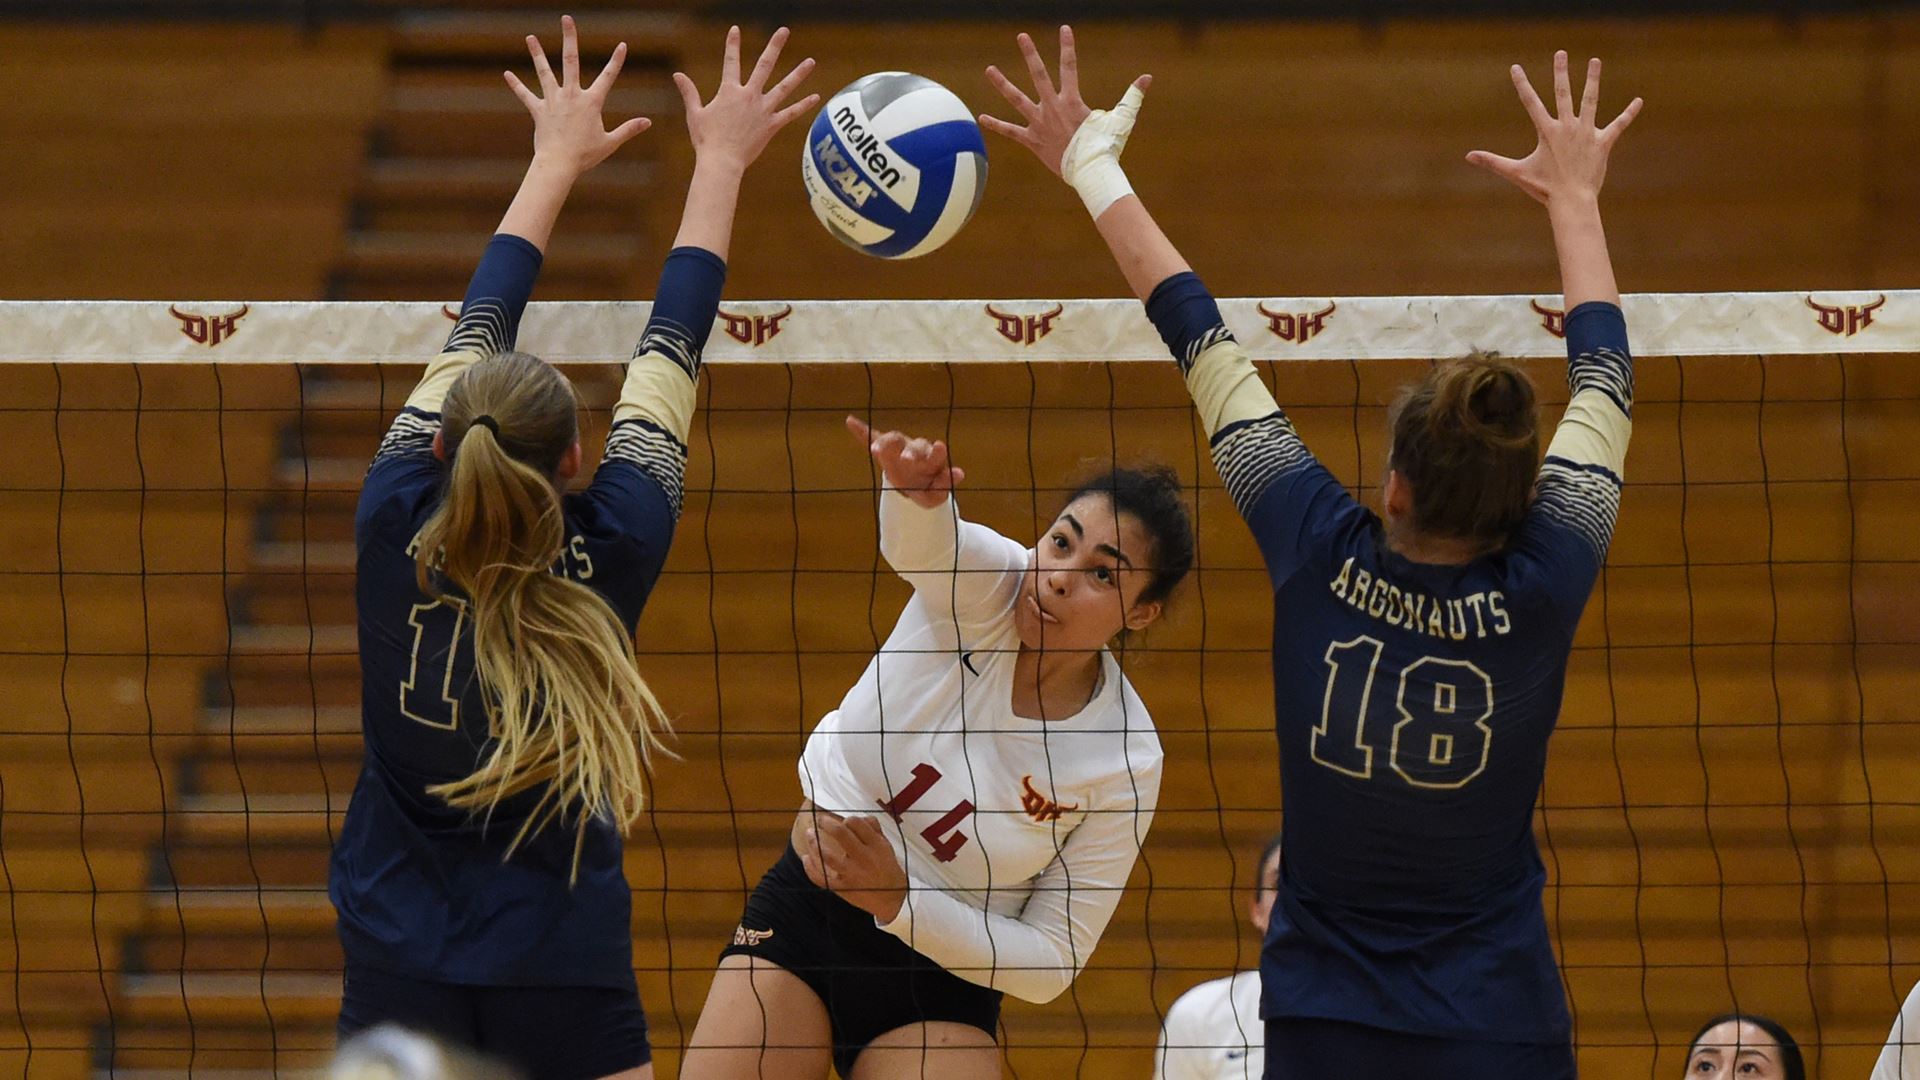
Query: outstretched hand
point(1052, 114)
point(567, 125)
point(916, 468)
point(734, 126)
point(1570, 158)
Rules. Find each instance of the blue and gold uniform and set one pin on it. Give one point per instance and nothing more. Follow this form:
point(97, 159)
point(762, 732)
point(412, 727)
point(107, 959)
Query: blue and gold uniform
point(1414, 704)
point(424, 892)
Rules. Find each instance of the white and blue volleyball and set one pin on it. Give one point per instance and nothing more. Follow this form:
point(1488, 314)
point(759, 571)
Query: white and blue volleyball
point(894, 165)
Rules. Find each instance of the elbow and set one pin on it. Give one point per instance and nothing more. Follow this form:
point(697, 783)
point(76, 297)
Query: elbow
point(1041, 984)
point(1039, 988)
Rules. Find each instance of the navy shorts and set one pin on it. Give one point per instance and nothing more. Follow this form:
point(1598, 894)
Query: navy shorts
point(546, 1032)
point(1306, 1049)
point(870, 981)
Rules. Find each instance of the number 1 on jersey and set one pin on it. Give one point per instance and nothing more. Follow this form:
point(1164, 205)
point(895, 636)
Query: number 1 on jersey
point(428, 692)
point(1441, 739)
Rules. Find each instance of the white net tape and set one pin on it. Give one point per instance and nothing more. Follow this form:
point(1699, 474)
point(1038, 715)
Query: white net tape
point(961, 331)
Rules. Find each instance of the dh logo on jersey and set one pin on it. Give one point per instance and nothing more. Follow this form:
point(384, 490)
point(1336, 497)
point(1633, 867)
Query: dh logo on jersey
point(1552, 318)
point(1297, 329)
point(209, 330)
point(750, 938)
point(754, 331)
point(1846, 320)
point(1038, 806)
point(1025, 329)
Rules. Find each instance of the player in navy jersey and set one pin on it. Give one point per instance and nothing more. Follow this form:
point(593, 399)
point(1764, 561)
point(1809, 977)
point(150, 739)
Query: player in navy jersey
point(1418, 655)
point(478, 876)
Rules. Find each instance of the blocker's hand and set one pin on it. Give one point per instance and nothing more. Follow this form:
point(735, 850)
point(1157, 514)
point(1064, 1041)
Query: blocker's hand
point(743, 115)
point(917, 468)
point(567, 126)
point(1570, 158)
point(1053, 115)
point(851, 856)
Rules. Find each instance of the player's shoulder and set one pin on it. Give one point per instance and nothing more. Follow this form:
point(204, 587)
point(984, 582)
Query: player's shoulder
point(396, 498)
point(1207, 1000)
point(1129, 713)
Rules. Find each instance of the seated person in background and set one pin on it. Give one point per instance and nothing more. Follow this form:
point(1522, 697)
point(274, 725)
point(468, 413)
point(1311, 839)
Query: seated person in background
point(1901, 1058)
point(1213, 1032)
point(1745, 1046)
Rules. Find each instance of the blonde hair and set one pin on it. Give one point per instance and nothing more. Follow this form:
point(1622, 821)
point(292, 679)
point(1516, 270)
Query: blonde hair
point(1467, 439)
point(569, 710)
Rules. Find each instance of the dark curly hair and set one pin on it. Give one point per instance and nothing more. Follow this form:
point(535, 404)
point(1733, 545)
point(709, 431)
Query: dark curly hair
point(1151, 494)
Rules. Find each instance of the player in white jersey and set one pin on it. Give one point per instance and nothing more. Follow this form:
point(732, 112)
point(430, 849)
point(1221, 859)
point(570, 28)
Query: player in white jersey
point(1214, 1031)
point(1900, 1058)
point(975, 805)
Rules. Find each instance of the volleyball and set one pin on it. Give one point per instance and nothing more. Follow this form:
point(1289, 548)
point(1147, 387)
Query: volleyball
point(894, 165)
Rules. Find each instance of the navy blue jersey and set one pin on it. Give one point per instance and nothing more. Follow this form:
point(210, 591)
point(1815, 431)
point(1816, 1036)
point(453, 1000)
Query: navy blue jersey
point(425, 890)
point(1413, 704)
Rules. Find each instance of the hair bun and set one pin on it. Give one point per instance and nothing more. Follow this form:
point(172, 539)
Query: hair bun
point(1500, 399)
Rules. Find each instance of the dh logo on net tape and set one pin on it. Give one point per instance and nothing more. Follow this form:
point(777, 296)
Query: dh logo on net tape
point(209, 330)
point(1846, 320)
point(1024, 330)
point(1552, 319)
point(1297, 328)
point(754, 331)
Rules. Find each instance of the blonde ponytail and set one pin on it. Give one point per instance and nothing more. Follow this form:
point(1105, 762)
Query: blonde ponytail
point(569, 710)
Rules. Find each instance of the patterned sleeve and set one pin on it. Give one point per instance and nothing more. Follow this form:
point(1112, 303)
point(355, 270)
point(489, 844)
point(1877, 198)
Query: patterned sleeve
point(655, 411)
point(1577, 498)
point(489, 320)
point(488, 324)
point(1280, 488)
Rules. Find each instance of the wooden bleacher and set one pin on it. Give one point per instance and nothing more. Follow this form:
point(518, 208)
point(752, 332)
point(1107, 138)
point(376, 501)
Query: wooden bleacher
point(165, 162)
point(202, 937)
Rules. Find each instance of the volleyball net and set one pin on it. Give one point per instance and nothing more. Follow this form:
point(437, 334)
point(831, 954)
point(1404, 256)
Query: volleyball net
point(1730, 817)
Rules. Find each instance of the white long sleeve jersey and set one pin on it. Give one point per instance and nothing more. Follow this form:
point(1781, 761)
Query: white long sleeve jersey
point(1017, 835)
point(1214, 1032)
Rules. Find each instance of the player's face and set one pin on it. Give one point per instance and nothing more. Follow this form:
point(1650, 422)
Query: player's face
point(1735, 1050)
point(1084, 579)
point(1263, 897)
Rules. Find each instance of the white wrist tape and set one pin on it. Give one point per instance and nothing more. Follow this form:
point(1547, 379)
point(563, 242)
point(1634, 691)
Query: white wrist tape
point(1091, 163)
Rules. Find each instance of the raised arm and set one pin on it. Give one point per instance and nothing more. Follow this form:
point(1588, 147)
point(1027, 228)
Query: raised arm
point(569, 138)
point(1578, 493)
point(729, 132)
point(1565, 172)
point(958, 568)
point(1274, 480)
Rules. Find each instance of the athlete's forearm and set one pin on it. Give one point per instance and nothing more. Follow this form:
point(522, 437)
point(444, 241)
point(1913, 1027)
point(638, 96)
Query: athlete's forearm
point(1140, 248)
point(489, 320)
point(1580, 241)
point(712, 197)
point(536, 206)
point(1005, 954)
